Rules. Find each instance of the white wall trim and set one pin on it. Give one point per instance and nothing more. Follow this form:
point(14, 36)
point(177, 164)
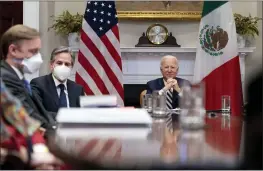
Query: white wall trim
point(31, 19)
point(31, 14)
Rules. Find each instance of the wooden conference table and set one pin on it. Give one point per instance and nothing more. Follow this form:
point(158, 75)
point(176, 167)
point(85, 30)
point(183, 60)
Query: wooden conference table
point(220, 142)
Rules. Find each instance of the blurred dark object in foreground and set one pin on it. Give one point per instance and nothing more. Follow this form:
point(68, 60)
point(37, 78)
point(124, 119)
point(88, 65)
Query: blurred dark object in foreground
point(12, 162)
point(253, 125)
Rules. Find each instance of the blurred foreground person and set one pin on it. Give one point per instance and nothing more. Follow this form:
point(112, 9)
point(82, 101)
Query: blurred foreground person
point(253, 124)
point(22, 143)
point(19, 53)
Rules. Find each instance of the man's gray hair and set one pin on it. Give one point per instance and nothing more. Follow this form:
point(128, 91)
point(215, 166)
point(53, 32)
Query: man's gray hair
point(167, 56)
point(61, 49)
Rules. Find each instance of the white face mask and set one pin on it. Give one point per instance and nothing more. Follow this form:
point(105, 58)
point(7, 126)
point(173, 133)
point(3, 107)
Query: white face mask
point(32, 64)
point(61, 72)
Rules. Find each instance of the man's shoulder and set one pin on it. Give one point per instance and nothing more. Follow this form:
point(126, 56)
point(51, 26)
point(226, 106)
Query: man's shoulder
point(74, 84)
point(184, 81)
point(154, 81)
point(40, 79)
point(7, 73)
point(5, 70)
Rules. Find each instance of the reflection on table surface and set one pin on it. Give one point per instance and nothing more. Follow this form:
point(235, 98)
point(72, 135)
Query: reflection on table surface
point(220, 141)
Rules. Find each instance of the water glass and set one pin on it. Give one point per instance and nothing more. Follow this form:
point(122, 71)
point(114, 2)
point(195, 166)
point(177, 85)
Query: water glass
point(147, 102)
point(225, 122)
point(225, 104)
point(159, 104)
point(192, 108)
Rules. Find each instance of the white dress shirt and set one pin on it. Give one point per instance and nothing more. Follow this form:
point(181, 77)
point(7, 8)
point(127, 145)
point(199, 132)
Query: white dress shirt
point(58, 89)
point(18, 73)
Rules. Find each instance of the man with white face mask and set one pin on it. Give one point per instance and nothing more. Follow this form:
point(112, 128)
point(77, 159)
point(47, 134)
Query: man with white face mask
point(55, 90)
point(19, 50)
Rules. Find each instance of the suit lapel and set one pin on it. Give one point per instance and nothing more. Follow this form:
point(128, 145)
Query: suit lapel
point(160, 83)
point(70, 94)
point(9, 68)
point(53, 89)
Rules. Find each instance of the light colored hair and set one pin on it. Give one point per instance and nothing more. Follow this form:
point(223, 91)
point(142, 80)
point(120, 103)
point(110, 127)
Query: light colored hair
point(166, 57)
point(14, 35)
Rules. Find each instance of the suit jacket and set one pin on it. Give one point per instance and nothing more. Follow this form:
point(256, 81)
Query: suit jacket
point(158, 84)
point(16, 87)
point(44, 87)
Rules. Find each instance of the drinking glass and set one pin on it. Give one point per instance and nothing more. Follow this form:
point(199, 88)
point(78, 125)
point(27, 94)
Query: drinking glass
point(225, 104)
point(192, 108)
point(159, 103)
point(147, 102)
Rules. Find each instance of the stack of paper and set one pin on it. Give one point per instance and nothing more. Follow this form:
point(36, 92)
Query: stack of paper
point(98, 101)
point(104, 123)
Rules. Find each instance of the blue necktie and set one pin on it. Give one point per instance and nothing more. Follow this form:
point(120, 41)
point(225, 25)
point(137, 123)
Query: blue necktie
point(27, 86)
point(62, 97)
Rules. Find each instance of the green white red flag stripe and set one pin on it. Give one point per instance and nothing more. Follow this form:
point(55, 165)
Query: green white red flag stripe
point(217, 60)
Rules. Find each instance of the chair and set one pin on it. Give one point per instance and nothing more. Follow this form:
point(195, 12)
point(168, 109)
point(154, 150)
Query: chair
point(141, 96)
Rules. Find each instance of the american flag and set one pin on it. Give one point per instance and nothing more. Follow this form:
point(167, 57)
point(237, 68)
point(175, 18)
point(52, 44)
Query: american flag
point(99, 66)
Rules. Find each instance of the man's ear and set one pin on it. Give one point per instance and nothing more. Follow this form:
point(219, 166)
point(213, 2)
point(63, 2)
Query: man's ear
point(12, 49)
point(51, 66)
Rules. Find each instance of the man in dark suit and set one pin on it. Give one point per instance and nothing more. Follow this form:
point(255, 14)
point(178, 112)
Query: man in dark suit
point(169, 82)
point(55, 90)
point(20, 47)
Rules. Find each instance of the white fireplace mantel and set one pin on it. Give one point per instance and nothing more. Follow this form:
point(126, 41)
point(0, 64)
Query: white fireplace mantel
point(172, 49)
point(169, 49)
point(141, 64)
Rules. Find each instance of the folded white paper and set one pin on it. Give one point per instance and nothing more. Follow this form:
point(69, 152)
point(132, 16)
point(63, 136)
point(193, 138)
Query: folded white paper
point(104, 133)
point(104, 116)
point(93, 101)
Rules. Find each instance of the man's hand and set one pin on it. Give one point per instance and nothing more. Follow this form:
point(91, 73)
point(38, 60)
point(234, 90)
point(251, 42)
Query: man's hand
point(169, 84)
point(172, 83)
point(176, 86)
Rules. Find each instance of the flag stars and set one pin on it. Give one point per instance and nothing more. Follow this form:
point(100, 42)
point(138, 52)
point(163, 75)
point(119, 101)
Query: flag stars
point(88, 2)
point(101, 28)
point(101, 20)
point(95, 3)
point(95, 11)
point(110, 6)
point(94, 19)
point(108, 22)
point(109, 14)
point(102, 12)
point(102, 4)
point(88, 10)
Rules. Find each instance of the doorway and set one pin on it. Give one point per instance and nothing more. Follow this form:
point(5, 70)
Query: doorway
point(11, 13)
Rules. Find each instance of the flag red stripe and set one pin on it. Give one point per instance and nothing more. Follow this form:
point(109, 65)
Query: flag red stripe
point(115, 55)
point(80, 81)
point(225, 80)
point(88, 42)
point(106, 148)
point(115, 31)
point(88, 147)
point(93, 73)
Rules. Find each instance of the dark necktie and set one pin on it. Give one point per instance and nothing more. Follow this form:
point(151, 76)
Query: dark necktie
point(62, 97)
point(27, 86)
point(169, 99)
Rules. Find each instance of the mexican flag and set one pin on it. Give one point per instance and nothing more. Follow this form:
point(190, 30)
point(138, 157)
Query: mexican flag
point(217, 60)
